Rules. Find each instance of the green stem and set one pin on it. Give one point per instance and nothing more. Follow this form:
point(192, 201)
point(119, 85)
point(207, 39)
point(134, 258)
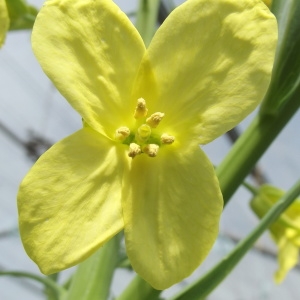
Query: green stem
point(93, 277)
point(48, 292)
point(250, 188)
point(139, 289)
point(146, 22)
point(58, 291)
point(201, 288)
point(251, 146)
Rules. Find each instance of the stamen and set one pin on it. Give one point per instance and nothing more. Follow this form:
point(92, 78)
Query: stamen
point(151, 150)
point(155, 119)
point(134, 150)
point(122, 133)
point(141, 109)
point(143, 133)
point(167, 139)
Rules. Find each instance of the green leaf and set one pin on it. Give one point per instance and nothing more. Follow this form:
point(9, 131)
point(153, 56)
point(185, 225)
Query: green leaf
point(201, 288)
point(93, 277)
point(57, 291)
point(286, 71)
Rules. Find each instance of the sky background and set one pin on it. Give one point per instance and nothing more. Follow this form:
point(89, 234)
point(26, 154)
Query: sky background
point(31, 108)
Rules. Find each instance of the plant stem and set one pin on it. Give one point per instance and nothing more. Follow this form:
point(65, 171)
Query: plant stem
point(251, 146)
point(92, 279)
point(139, 289)
point(250, 188)
point(146, 22)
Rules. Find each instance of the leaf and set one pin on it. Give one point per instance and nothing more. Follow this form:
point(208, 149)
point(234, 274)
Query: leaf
point(57, 291)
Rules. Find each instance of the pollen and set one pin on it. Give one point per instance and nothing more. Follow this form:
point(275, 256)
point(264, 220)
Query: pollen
point(151, 150)
point(167, 139)
point(155, 119)
point(122, 133)
point(141, 109)
point(134, 150)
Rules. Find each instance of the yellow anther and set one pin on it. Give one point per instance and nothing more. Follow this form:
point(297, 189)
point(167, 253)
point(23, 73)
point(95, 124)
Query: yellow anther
point(122, 133)
point(141, 109)
point(134, 150)
point(143, 133)
point(155, 119)
point(167, 139)
point(151, 150)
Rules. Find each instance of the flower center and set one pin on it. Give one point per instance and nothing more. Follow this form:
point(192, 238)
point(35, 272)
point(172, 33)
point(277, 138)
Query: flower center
point(144, 138)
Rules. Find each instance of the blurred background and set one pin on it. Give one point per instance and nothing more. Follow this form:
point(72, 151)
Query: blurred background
point(33, 116)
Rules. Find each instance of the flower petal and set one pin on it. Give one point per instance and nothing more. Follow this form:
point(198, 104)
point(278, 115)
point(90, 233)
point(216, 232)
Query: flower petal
point(4, 21)
point(91, 52)
point(70, 201)
point(212, 62)
point(171, 214)
point(287, 258)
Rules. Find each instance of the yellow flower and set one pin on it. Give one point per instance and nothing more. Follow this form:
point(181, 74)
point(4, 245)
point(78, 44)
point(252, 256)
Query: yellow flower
point(285, 231)
point(136, 164)
point(4, 21)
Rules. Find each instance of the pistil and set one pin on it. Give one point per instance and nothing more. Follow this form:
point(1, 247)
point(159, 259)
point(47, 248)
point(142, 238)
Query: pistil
point(143, 133)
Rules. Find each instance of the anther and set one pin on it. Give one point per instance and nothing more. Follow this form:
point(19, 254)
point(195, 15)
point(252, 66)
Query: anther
point(155, 119)
point(167, 139)
point(151, 150)
point(122, 133)
point(141, 109)
point(134, 150)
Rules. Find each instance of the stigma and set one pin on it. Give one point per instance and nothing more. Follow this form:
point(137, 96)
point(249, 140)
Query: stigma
point(145, 137)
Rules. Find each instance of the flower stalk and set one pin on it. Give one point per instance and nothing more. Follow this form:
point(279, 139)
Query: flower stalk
point(251, 145)
point(146, 22)
point(93, 277)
